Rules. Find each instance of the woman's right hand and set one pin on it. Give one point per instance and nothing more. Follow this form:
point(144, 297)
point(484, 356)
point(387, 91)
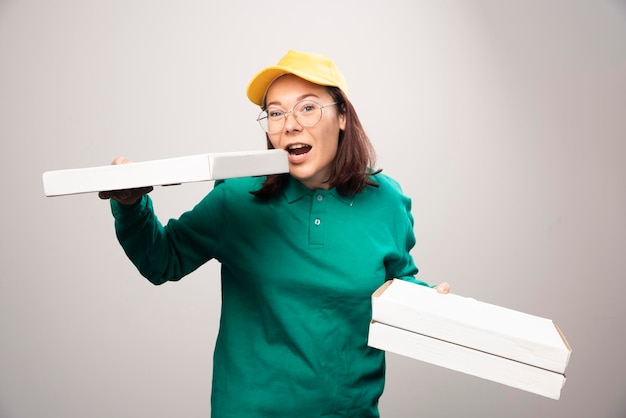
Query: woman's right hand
point(127, 196)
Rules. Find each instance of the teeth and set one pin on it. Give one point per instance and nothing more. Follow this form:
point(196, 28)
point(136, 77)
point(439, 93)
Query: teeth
point(298, 149)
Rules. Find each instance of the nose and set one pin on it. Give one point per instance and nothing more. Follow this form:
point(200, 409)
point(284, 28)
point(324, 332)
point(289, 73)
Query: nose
point(291, 123)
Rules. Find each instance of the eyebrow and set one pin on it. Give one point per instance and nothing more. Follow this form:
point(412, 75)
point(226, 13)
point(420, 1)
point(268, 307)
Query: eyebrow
point(299, 98)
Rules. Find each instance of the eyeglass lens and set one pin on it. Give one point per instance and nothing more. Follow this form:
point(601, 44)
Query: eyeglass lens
point(307, 112)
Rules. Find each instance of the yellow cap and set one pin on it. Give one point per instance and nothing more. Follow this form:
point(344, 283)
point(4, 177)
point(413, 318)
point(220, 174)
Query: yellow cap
point(316, 68)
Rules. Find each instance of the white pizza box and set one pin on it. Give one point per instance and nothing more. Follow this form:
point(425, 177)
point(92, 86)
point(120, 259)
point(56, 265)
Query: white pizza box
point(164, 172)
point(471, 323)
point(458, 324)
point(466, 360)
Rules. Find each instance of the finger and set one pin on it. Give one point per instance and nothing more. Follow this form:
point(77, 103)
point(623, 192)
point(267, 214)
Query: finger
point(140, 191)
point(443, 288)
point(123, 195)
point(120, 160)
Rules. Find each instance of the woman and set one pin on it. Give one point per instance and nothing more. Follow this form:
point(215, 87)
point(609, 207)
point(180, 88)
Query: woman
point(301, 254)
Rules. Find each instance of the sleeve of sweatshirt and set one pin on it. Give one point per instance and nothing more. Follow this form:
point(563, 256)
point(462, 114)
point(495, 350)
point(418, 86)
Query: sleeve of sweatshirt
point(401, 265)
point(169, 252)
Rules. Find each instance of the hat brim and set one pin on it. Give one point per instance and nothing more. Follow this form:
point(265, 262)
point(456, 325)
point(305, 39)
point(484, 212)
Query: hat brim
point(260, 83)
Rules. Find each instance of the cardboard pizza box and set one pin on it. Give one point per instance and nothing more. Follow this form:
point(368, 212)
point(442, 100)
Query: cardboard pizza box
point(500, 337)
point(164, 172)
point(466, 360)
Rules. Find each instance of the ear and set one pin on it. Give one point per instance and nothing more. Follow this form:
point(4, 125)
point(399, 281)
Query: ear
point(342, 121)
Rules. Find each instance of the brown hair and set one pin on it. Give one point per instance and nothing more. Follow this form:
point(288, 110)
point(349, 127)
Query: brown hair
point(353, 165)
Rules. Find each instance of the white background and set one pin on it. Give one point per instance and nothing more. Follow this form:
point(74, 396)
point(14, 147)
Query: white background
point(504, 121)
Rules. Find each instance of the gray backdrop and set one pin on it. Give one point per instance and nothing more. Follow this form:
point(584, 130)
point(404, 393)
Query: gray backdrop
point(505, 122)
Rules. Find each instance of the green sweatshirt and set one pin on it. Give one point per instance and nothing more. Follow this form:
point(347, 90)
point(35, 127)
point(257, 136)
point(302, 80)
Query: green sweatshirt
point(298, 272)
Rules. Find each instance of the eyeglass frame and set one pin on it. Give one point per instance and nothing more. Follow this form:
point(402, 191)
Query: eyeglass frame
point(285, 113)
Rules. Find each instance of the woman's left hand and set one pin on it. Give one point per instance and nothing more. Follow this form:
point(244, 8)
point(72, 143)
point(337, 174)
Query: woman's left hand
point(443, 288)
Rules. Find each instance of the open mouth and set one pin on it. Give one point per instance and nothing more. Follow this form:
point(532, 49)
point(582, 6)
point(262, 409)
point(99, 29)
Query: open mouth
point(298, 149)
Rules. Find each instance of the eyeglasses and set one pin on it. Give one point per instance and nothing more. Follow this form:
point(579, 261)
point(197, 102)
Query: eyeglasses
point(307, 113)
